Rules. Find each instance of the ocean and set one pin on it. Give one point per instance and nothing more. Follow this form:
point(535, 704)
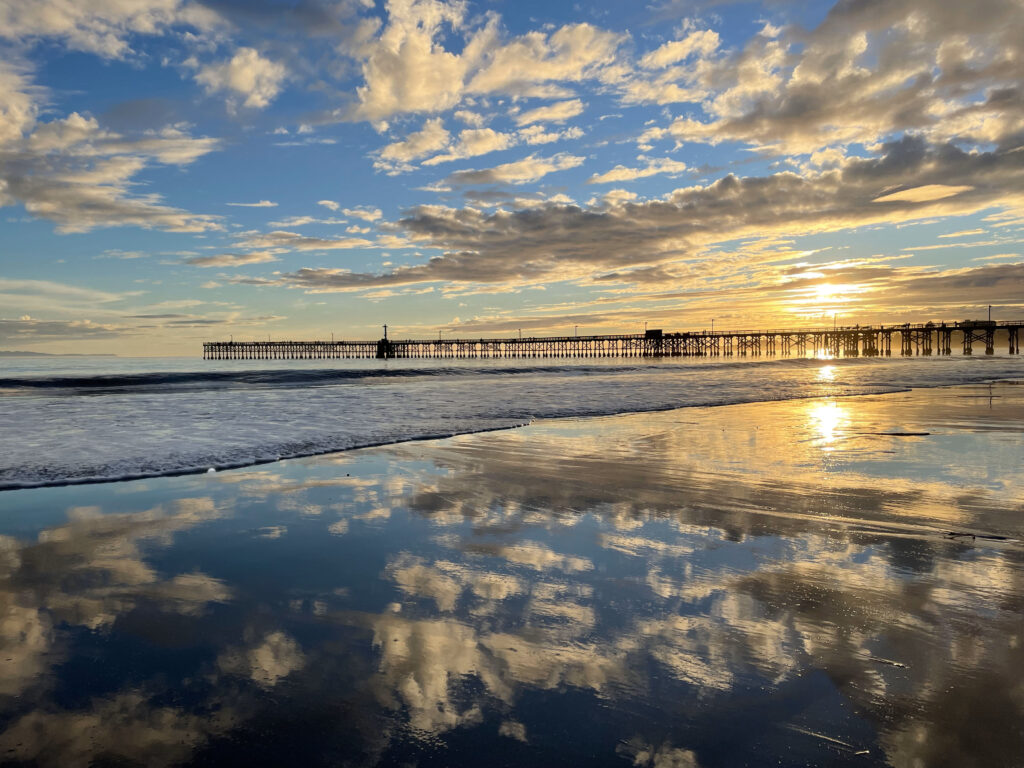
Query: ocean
point(90, 419)
point(809, 581)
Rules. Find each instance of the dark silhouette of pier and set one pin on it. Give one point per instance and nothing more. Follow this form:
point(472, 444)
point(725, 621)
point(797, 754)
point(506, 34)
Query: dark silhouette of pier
point(908, 339)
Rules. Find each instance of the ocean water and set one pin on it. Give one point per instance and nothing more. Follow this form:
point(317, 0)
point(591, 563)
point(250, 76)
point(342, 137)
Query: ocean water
point(73, 420)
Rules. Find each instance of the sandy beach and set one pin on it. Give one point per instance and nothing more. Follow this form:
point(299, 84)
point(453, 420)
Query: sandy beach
point(808, 582)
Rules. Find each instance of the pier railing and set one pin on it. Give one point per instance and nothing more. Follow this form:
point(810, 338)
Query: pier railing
point(906, 339)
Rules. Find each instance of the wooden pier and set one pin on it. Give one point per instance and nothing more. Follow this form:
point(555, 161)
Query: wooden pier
point(858, 341)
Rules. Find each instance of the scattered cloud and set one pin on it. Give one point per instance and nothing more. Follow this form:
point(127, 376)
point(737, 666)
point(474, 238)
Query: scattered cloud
point(653, 167)
point(567, 242)
point(364, 212)
point(398, 156)
point(922, 194)
point(247, 76)
point(407, 68)
point(102, 28)
point(80, 176)
point(260, 204)
point(558, 112)
point(538, 134)
point(864, 73)
point(302, 221)
point(531, 168)
point(292, 241)
point(29, 330)
point(231, 259)
point(472, 143)
point(701, 43)
point(964, 233)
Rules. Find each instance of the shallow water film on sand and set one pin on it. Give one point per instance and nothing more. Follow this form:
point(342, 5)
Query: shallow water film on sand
point(830, 581)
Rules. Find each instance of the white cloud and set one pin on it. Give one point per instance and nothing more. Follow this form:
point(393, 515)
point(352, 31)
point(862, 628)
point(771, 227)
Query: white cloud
point(663, 89)
point(231, 259)
point(80, 176)
point(922, 194)
point(102, 28)
point(260, 204)
point(364, 212)
point(867, 71)
point(551, 113)
point(406, 68)
point(293, 241)
point(965, 233)
point(398, 156)
point(563, 241)
point(29, 296)
point(246, 74)
point(537, 134)
point(702, 43)
point(302, 221)
point(472, 143)
point(472, 119)
point(329, 204)
point(17, 107)
point(654, 166)
point(571, 53)
point(528, 169)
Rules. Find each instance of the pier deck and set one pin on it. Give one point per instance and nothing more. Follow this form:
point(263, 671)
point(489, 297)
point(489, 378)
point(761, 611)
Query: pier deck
point(882, 340)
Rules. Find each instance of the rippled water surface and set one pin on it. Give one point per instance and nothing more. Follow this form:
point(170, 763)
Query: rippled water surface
point(811, 582)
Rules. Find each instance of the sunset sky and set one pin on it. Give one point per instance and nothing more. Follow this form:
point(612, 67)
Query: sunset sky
point(175, 171)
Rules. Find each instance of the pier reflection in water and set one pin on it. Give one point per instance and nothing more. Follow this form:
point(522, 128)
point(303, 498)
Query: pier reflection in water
point(804, 582)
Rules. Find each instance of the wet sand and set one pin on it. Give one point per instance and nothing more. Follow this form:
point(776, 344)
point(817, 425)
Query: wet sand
point(811, 582)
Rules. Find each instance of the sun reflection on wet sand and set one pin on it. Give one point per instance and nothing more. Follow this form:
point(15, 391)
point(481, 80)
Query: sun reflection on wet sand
point(827, 419)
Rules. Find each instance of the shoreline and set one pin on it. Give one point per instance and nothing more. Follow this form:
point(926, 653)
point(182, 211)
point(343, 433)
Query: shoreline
point(200, 470)
point(227, 467)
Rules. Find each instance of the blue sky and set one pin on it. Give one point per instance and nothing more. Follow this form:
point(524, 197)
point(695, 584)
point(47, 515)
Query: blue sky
point(174, 171)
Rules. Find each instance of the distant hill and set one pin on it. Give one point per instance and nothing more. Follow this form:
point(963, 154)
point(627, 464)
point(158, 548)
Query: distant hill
point(16, 353)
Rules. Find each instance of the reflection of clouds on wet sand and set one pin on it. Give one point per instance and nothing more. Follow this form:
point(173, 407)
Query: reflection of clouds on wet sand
point(664, 756)
point(423, 661)
point(87, 573)
point(266, 661)
point(123, 727)
point(856, 576)
point(545, 644)
point(886, 640)
point(693, 567)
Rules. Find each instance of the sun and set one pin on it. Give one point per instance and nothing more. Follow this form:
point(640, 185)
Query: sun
point(824, 293)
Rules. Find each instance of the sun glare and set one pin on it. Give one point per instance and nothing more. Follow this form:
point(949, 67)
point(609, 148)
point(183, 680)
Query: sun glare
point(824, 300)
point(826, 420)
point(825, 292)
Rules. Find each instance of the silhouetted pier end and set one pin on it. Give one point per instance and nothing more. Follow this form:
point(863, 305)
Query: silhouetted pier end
point(859, 341)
